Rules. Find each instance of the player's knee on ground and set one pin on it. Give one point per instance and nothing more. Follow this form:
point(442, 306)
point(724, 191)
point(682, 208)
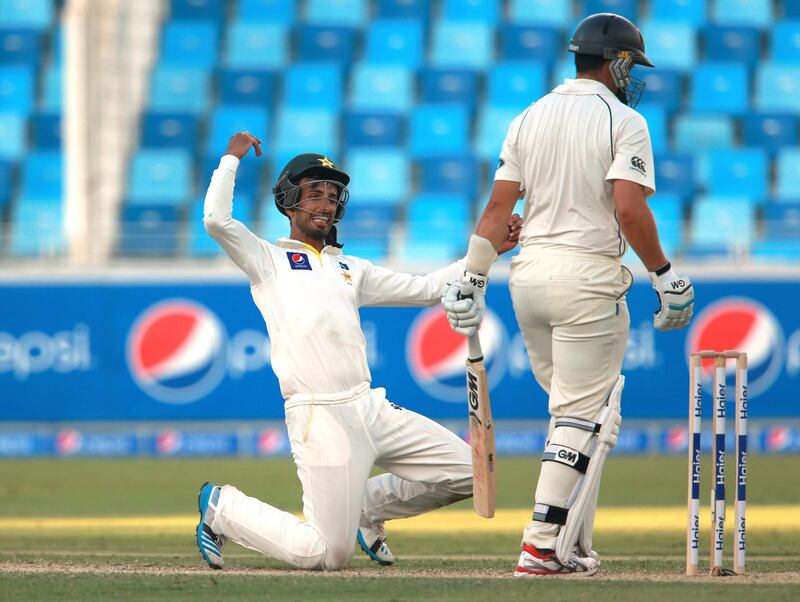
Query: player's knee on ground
point(338, 556)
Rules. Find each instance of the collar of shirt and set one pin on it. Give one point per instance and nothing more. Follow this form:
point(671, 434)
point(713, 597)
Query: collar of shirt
point(288, 243)
point(583, 86)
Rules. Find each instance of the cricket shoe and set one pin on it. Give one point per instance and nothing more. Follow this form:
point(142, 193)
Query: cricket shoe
point(372, 540)
point(534, 563)
point(209, 543)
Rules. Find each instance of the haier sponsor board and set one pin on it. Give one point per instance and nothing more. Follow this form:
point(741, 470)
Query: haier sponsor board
point(200, 351)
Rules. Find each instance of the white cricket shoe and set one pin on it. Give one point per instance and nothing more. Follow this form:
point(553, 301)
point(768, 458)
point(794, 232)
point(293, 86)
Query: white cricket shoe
point(372, 540)
point(533, 563)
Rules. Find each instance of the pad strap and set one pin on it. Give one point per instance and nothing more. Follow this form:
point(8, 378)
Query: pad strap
point(578, 423)
point(566, 456)
point(550, 514)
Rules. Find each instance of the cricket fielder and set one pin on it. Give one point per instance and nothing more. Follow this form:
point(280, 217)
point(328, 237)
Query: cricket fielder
point(582, 160)
point(339, 426)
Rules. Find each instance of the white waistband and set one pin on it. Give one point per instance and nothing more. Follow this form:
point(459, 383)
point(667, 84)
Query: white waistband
point(339, 397)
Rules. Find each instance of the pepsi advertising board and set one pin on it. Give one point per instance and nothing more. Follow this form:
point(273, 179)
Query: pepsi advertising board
point(82, 352)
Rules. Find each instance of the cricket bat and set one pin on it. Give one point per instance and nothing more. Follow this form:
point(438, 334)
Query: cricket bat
point(481, 431)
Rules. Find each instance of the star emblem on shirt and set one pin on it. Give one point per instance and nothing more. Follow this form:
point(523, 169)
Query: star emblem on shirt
point(326, 162)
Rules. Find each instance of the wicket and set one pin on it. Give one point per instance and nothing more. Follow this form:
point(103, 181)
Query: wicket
point(718, 486)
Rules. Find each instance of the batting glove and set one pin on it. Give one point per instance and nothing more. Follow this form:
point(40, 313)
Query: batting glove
point(675, 299)
point(465, 303)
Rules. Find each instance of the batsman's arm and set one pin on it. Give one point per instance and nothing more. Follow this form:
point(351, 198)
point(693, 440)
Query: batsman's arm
point(637, 223)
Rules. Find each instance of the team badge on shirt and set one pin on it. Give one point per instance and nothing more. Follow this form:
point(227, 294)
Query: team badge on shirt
point(298, 261)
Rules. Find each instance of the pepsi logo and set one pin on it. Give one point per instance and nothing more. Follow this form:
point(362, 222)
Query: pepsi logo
point(68, 442)
point(177, 351)
point(269, 441)
point(777, 439)
point(744, 325)
point(437, 356)
point(167, 442)
point(677, 439)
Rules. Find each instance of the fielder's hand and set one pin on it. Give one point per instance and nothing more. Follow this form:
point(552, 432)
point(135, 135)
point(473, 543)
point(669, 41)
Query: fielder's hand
point(465, 303)
point(675, 298)
point(241, 142)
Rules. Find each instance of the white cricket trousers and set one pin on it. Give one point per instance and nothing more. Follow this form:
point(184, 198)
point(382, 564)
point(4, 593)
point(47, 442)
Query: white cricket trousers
point(571, 310)
point(335, 445)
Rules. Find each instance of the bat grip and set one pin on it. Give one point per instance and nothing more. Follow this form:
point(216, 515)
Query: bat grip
point(474, 351)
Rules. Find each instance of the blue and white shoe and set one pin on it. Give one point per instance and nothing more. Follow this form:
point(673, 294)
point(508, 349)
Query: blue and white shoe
point(372, 540)
point(209, 543)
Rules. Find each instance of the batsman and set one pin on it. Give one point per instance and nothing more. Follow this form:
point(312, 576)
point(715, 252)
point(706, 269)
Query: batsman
point(582, 160)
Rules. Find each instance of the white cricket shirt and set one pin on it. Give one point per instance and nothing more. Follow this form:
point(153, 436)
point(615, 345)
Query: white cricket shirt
point(565, 150)
point(310, 300)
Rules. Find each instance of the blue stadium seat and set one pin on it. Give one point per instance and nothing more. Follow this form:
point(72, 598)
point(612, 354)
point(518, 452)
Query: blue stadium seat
point(189, 44)
point(20, 47)
point(436, 228)
point(516, 84)
point(179, 89)
point(201, 10)
point(151, 231)
point(246, 87)
point(563, 70)
point(781, 251)
point(668, 212)
point(679, 11)
point(257, 45)
point(306, 130)
point(724, 44)
point(664, 87)
point(248, 175)
point(274, 11)
point(365, 230)
point(200, 243)
point(738, 172)
point(770, 131)
point(16, 89)
point(438, 130)
point(28, 14)
point(381, 88)
point(272, 224)
point(404, 9)
point(530, 43)
point(785, 46)
point(13, 141)
point(160, 176)
point(722, 223)
point(226, 120)
point(373, 129)
point(337, 12)
point(483, 11)
point(787, 167)
point(395, 42)
point(170, 130)
point(378, 176)
point(317, 85)
point(52, 98)
point(458, 174)
point(6, 183)
point(326, 43)
point(656, 118)
point(448, 86)
point(556, 13)
point(781, 221)
point(492, 127)
point(675, 174)
point(742, 12)
point(702, 132)
point(720, 88)
point(46, 130)
point(42, 175)
point(778, 88)
point(462, 45)
point(37, 227)
point(626, 8)
point(791, 9)
point(670, 45)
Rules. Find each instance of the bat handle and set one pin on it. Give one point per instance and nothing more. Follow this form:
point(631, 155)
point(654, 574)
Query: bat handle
point(474, 351)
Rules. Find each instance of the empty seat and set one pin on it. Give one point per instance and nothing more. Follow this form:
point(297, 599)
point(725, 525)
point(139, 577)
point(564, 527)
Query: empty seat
point(516, 84)
point(200, 243)
point(557, 13)
point(6, 182)
point(373, 129)
point(179, 89)
point(455, 174)
point(170, 130)
point(306, 130)
point(563, 70)
point(742, 12)
point(274, 11)
point(189, 43)
point(676, 11)
point(732, 44)
point(20, 47)
point(791, 9)
point(212, 10)
point(438, 130)
point(778, 88)
point(526, 42)
point(436, 228)
point(46, 130)
point(13, 141)
point(656, 118)
point(703, 132)
point(442, 85)
point(52, 97)
point(246, 87)
point(399, 42)
point(404, 9)
point(160, 175)
point(720, 88)
point(37, 228)
point(782, 221)
point(272, 225)
point(483, 11)
point(336, 12)
point(29, 14)
point(467, 44)
point(738, 172)
point(317, 85)
point(42, 175)
point(785, 46)
point(492, 127)
point(722, 222)
point(626, 8)
point(675, 174)
point(670, 45)
point(365, 230)
point(16, 89)
point(227, 120)
point(381, 88)
point(379, 176)
point(664, 87)
point(150, 231)
point(770, 131)
point(787, 185)
point(326, 43)
point(248, 175)
point(257, 44)
point(668, 212)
